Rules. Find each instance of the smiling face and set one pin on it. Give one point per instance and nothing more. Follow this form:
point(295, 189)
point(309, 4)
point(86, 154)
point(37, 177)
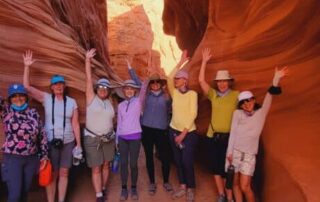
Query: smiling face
point(248, 104)
point(155, 85)
point(223, 85)
point(18, 99)
point(58, 88)
point(180, 82)
point(129, 91)
point(102, 92)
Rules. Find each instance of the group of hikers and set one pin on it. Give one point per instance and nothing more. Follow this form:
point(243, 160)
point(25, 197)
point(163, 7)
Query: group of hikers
point(156, 112)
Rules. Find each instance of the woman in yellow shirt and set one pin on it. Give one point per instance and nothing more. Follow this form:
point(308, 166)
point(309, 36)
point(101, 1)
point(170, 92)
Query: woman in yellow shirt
point(182, 130)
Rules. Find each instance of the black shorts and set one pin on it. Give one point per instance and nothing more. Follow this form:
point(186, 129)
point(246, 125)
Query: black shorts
point(218, 145)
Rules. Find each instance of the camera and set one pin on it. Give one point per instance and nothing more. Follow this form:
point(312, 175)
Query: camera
point(57, 143)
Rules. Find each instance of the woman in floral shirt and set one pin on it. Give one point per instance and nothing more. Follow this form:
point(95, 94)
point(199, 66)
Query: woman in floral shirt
point(25, 143)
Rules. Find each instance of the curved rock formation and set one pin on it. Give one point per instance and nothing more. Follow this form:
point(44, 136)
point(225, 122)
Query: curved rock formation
point(250, 38)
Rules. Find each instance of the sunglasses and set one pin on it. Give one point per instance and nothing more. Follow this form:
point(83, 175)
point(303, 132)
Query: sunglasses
point(102, 87)
point(155, 81)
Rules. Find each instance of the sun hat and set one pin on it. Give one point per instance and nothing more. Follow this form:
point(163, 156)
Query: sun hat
point(130, 83)
point(103, 82)
point(245, 95)
point(45, 175)
point(154, 76)
point(223, 75)
point(57, 79)
point(16, 88)
point(182, 74)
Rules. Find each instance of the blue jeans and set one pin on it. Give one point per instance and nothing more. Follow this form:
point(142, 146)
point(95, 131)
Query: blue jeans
point(18, 172)
point(184, 158)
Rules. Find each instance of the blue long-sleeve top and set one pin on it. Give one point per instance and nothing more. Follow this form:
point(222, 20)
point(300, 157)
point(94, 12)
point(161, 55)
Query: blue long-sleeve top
point(155, 107)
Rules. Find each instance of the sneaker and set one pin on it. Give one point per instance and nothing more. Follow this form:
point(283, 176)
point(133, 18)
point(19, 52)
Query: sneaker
point(221, 198)
point(168, 187)
point(104, 193)
point(134, 194)
point(100, 199)
point(190, 195)
point(179, 193)
point(124, 195)
point(152, 188)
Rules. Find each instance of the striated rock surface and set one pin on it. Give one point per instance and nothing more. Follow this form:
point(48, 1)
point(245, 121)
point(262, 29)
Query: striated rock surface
point(135, 30)
point(250, 38)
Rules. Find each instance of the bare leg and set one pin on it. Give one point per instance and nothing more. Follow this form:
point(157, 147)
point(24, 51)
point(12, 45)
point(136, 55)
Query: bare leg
point(96, 178)
point(245, 184)
point(51, 188)
point(236, 188)
point(105, 173)
point(63, 183)
point(219, 183)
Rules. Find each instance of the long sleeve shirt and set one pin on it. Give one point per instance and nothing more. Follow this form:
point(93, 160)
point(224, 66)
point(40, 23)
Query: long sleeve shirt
point(246, 129)
point(153, 104)
point(129, 111)
point(24, 132)
point(184, 107)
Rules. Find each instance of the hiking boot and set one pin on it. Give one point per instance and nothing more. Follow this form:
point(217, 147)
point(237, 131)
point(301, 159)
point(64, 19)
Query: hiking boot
point(152, 188)
point(124, 194)
point(100, 199)
point(168, 187)
point(221, 198)
point(134, 194)
point(179, 193)
point(190, 195)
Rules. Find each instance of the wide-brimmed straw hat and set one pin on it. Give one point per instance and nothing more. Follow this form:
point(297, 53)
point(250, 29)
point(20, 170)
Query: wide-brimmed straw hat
point(156, 77)
point(223, 75)
point(130, 83)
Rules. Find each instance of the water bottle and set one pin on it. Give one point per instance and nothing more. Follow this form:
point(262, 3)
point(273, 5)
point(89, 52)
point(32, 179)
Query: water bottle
point(229, 177)
point(115, 163)
point(181, 145)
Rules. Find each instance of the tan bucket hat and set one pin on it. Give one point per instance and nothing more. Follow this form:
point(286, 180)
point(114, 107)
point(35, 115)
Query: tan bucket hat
point(223, 75)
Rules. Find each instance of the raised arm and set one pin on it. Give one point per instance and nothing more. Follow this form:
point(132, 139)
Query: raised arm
point(33, 92)
point(274, 89)
point(89, 84)
point(183, 59)
point(206, 56)
point(133, 73)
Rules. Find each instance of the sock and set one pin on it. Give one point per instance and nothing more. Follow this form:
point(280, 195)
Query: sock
point(99, 194)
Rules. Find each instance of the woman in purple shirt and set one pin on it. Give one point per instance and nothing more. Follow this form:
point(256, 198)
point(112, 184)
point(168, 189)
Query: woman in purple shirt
point(129, 135)
point(154, 128)
point(25, 143)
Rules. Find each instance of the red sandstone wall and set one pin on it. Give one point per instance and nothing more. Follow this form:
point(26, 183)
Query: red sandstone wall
point(250, 38)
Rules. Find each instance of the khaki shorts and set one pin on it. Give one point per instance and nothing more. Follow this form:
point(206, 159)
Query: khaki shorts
point(96, 156)
point(243, 162)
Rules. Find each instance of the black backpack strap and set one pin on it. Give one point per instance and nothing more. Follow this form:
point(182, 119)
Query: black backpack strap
point(64, 113)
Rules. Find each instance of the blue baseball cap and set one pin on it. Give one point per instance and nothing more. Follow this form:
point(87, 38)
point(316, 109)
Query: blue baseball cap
point(57, 79)
point(16, 88)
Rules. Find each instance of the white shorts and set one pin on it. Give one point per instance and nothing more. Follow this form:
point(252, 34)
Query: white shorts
point(243, 162)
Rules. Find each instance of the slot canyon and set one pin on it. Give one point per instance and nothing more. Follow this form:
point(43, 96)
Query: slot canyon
point(247, 37)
